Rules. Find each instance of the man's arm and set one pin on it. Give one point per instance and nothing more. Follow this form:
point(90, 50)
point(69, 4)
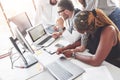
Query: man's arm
point(59, 27)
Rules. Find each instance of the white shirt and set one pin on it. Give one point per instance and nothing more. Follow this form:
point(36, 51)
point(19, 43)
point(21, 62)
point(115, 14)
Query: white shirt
point(108, 6)
point(45, 13)
point(75, 35)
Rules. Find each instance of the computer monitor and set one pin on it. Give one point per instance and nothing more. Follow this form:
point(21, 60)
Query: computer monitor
point(23, 41)
point(27, 52)
point(22, 21)
point(19, 24)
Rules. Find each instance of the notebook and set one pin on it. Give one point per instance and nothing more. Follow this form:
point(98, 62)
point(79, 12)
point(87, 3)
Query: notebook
point(63, 69)
point(98, 73)
point(39, 37)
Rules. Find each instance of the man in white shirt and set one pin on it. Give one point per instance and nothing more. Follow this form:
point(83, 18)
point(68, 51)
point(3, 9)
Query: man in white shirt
point(46, 12)
point(67, 11)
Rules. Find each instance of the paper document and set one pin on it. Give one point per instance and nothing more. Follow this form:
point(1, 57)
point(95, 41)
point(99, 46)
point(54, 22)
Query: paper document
point(71, 37)
point(97, 73)
point(53, 48)
point(50, 29)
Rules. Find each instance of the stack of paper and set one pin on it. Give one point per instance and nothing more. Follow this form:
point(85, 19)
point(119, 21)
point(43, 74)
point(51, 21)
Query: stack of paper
point(97, 73)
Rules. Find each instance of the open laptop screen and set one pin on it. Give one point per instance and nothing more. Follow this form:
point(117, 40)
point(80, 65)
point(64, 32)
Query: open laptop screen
point(36, 32)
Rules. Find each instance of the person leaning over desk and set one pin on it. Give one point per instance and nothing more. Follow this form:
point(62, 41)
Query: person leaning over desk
point(103, 40)
point(67, 11)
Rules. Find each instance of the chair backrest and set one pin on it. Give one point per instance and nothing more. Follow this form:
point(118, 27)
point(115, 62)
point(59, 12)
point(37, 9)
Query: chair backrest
point(22, 21)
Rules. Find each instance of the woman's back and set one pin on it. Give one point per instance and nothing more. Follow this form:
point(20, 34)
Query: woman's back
point(93, 43)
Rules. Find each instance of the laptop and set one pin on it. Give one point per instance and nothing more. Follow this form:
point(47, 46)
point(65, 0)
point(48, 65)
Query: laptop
point(63, 69)
point(39, 37)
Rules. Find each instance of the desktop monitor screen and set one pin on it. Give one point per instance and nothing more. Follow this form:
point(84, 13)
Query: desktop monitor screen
point(22, 39)
point(25, 53)
point(22, 21)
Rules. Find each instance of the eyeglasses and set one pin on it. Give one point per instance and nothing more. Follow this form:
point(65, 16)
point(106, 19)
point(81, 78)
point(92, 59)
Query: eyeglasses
point(61, 11)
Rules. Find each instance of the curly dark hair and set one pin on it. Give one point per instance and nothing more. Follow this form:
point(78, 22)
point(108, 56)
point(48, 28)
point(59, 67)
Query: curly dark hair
point(91, 20)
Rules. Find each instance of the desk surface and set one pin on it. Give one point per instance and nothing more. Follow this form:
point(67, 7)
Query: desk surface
point(45, 58)
point(114, 71)
point(36, 72)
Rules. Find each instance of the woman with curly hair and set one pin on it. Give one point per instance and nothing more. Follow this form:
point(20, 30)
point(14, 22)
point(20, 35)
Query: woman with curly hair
point(103, 41)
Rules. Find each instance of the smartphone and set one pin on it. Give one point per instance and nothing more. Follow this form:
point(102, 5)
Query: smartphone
point(59, 45)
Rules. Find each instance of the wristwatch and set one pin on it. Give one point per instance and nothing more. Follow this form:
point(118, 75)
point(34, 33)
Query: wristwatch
point(73, 54)
point(62, 29)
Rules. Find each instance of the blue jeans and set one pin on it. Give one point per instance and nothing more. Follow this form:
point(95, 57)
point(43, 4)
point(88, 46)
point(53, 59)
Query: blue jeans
point(115, 17)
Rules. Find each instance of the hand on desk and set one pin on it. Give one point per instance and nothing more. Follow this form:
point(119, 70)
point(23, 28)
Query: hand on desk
point(60, 50)
point(67, 53)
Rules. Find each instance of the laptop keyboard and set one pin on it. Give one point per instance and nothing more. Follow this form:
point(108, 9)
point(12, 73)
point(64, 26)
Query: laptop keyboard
point(59, 72)
point(45, 40)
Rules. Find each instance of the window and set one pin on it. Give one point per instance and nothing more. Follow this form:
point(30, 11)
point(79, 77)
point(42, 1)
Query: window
point(9, 8)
